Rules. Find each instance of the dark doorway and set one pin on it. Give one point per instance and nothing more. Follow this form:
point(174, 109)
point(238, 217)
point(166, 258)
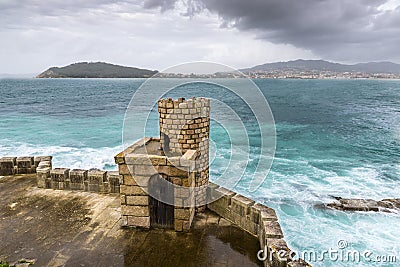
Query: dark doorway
point(161, 214)
point(166, 143)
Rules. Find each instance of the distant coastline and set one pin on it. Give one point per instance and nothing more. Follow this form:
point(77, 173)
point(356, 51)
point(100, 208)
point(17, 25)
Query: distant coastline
point(298, 69)
point(321, 69)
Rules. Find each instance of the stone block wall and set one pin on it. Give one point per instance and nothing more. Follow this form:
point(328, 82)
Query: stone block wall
point(134, 200)
point(8, 165)
point(92, 180)
point(113, 182)
point(185, 122)
point(21, 165)
point(184, 125)
point(97, 181)
point(77, 179)
point(61, 178)
point(137, 170)
point(255, 218)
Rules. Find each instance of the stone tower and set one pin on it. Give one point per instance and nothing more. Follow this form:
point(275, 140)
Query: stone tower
point(185, 125)
point(164, 180)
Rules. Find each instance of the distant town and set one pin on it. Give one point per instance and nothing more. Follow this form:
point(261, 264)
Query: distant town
point(306, 69)
point(278, 74)
point(285, 74)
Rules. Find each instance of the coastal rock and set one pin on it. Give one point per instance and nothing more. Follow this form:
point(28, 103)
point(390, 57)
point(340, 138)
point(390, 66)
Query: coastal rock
point(390, 203)
point(349, 204)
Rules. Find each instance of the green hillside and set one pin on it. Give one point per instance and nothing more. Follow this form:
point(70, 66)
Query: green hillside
point(96, 70)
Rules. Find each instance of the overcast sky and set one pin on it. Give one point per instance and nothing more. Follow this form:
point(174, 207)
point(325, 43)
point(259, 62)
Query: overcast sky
point(156, 34)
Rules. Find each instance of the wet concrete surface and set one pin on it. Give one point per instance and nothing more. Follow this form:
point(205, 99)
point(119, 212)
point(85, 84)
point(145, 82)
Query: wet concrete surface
point(72, 228)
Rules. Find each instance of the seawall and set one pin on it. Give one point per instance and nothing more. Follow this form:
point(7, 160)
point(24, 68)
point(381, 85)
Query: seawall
point(258, 219)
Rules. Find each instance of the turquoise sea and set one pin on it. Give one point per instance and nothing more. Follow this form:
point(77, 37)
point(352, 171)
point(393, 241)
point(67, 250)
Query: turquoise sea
point(334, 138)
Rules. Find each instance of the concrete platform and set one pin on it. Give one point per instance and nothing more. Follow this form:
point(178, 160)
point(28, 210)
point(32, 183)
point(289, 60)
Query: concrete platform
point(71, 228)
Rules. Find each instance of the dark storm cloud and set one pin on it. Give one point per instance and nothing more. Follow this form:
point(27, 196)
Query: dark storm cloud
point(36, 34)
point(346, 30)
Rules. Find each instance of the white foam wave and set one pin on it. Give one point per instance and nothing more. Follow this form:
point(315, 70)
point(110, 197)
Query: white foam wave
point(67, 157)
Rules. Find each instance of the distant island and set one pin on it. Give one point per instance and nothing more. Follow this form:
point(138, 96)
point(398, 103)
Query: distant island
point(96, 70)
point(296, 69)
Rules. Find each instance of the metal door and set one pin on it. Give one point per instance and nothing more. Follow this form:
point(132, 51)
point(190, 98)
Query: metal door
point(161, 213)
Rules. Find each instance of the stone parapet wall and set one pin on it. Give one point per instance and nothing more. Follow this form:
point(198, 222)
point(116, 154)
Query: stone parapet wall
point(21, 165)
point(61, 178)
point(92, 180)
point(255, 218)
